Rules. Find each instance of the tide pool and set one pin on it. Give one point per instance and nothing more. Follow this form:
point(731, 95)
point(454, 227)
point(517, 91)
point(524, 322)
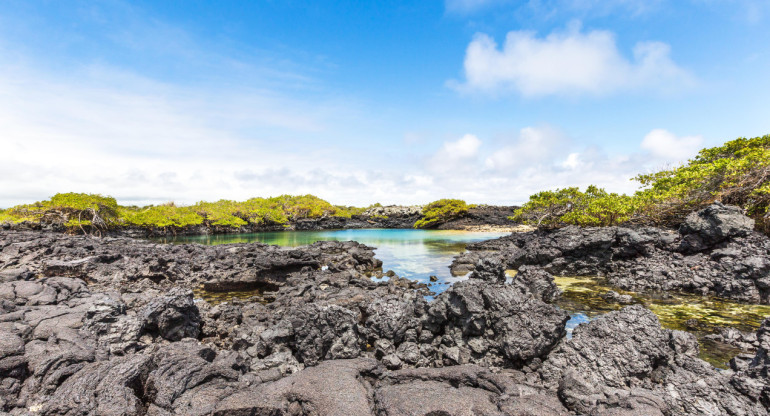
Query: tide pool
point(413, 254)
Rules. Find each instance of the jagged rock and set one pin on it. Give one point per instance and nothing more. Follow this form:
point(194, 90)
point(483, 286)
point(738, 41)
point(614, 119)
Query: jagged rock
point(115, 336)
point(489, 269)
point(495, 324)
point(538, 282)
point(716, 253)
point(173, 316)
point(714, 224)
point(602, 369)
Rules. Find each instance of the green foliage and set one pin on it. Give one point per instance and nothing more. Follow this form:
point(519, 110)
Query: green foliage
point(5, 216)
point(223, 213)
point(737, 173)
point(161, 216)
point(570, 206)
point(441, 211)
point(76, 211)
point(73, 210)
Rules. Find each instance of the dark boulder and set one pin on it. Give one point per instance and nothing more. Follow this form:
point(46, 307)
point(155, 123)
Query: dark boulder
point(494, 324)
point(538, 282)
point(625, 362)
point(489, 269)
point(172, 316)
point(712, 225)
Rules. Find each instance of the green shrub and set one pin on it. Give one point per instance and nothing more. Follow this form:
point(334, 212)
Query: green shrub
point(161, 216)
point(738, 173)
point(223, 213)
point(441, 211)
point(570, 206)
point(73, 210)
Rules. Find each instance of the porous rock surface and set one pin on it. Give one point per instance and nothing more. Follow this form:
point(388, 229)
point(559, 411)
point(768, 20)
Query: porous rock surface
point(714, 252)
point(115, 326)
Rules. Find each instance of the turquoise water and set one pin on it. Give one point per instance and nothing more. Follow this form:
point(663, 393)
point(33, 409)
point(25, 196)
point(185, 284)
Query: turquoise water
point(413, 254)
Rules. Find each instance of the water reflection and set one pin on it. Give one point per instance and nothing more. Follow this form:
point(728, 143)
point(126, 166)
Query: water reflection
point(413, 254)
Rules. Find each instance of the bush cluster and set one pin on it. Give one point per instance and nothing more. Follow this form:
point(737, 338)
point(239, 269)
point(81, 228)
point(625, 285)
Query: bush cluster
point(68, 209)
point(441, 211)
point(568, 206)
point(737, 173)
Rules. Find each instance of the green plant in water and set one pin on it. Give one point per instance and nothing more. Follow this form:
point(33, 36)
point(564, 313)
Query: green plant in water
point(441, 211)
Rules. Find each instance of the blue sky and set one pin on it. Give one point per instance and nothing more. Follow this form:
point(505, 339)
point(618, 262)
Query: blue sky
point(362, 102)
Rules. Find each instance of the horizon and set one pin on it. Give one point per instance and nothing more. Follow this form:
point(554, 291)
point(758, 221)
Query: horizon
point(489, 101)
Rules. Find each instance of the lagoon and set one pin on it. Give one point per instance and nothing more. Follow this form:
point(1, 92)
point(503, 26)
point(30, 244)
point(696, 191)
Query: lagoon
point(413, 254)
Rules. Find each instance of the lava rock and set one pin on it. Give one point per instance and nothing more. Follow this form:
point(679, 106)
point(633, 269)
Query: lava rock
point(714, 224)
point(538, 282)
point(489, 269)
point(173, 316)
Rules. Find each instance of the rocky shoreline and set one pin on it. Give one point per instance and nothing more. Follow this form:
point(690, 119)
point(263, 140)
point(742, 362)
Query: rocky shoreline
point(111, 326)
point(715, 252)
point(478, 218)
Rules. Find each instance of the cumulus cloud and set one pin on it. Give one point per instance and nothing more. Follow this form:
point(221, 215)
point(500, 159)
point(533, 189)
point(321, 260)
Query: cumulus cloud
point(571, 62)
point(533, 145)
point(455, 155)
point(507, 171)
point(667, 146)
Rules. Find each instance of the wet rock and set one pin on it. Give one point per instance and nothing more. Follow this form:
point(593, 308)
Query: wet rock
point(612, 296)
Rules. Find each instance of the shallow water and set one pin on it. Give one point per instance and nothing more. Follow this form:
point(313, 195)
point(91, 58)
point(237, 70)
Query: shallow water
point(414, 254)
point(582, 299)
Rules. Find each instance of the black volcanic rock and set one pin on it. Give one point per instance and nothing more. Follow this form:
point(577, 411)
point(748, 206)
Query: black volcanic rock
point(715, 252)
point(117, 326)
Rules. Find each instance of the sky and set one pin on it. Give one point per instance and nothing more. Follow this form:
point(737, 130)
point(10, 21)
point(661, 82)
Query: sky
point(394, 102)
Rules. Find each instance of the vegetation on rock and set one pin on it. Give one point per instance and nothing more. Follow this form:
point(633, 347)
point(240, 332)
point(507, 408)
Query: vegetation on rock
point(73, 210)
point(441, 211)
point(566, 206)
point(76, 211)
point(736, 173)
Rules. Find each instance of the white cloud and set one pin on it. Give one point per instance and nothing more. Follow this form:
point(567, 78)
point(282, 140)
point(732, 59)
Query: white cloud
point(567, 63)
point(667, 146)
point(466, 147)
point(533, 145)
point(572, 161)
point(455, 155)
